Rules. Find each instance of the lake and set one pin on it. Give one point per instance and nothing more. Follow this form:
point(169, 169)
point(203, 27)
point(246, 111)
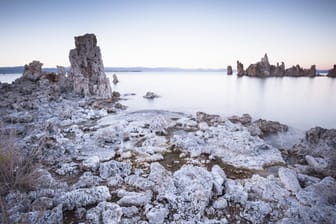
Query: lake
point(299, 102)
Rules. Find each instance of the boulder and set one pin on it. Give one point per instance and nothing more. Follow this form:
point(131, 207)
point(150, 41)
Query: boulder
point(104, 213)
point(289, 179)
point(115, 79)
point(150, 95)
point(229, 70)
point(87, 69)
point(332, 72)
point(33, 71)
point(245, 119)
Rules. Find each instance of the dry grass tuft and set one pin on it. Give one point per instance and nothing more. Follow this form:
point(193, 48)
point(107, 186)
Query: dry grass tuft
point(18, 170)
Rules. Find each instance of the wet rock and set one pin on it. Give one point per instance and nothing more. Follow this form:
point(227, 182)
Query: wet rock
point(83, 197)
point(289, 178)
point(128, 198)
point(240, 69)
point(210, 119)
point(87, 69)
point(114, 168)
point(245, 119)
point(157, 215)
point(104, 213)
point(150, 95)
point(33, 71)
point(270, 127)
point(229, 70)
point(115, 79)
point(332, 72)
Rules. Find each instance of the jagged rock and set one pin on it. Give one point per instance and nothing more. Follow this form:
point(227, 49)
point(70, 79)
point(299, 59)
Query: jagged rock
point(229, 70)
point(87, 69)
point(150, 95)
point(332, 72)
point(210, 119)
point(33, 71)
point(289, 178)
point(219, 177)
point(83, 197)
point(234, 191)
point(297, 71)
point(115, 79)
point(104, 213)
point(240, 69)
point(262, 68)
point(318, 164)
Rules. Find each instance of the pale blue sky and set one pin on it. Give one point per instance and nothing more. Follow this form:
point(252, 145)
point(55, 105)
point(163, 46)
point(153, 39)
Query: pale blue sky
point(177, 33)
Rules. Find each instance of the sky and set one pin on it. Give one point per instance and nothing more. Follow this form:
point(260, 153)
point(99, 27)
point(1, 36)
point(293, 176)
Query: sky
point(171, 33)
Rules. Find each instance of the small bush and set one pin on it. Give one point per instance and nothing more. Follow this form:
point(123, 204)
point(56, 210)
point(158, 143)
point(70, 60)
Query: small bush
point(18, 170)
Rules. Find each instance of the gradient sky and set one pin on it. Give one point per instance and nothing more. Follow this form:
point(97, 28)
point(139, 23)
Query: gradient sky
point(175, 33)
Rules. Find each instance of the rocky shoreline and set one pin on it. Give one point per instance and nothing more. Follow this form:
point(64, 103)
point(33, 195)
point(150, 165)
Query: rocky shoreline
point(98, 163)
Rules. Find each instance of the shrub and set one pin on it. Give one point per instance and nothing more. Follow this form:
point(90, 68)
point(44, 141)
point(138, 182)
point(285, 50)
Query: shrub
point(18, 170)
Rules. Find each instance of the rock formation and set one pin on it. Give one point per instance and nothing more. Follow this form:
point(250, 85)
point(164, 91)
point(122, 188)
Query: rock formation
point(332, 72)
point(265, 69)
point(33, 71)
point(229, 70)
point(240, 69)
point(87, 69)
point(115, 79)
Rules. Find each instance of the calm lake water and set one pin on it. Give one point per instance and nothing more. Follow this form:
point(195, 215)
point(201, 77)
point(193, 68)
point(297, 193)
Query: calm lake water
point(299, 102)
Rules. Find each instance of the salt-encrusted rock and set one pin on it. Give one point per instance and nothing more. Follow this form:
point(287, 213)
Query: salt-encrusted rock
point(87, 180)
point(257, 211)
point(163, 182)
point(139, 182)
point(150, 95)
point(240, 69)
point(220, 203)
point(332, 72)
point(91, 163)
point(219, 177)
point(33, 71)
point(229, 70)
point(83, 197)
point(134, 198)
point(130, 211)
point(41, 217)
point(157, 214)
point(104, 213)
point(289, 178)
point(115, 79)
point(234, 191)
point(210, 119)
point(194, 188)
point(114, 168)
point(317, 164)
point(87, 69)
point(319, 202)
point(230, 142)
